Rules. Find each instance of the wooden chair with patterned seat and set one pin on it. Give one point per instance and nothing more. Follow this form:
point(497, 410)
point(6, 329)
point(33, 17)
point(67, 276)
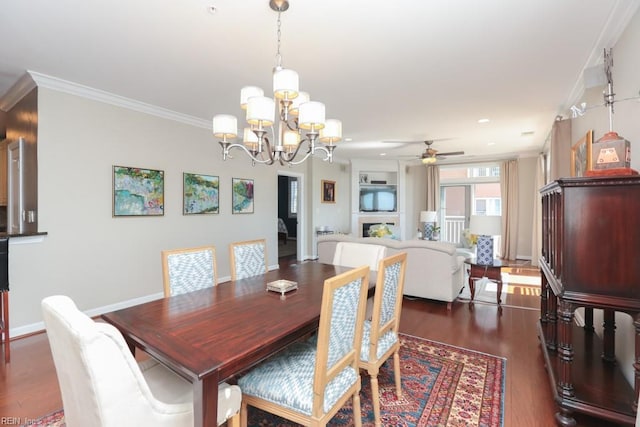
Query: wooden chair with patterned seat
point(308, 383)
point(248, 258)
point(189, 269)
point(380, 335)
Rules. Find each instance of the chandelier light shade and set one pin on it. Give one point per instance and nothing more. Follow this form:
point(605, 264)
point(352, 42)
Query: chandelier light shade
point(272, 137)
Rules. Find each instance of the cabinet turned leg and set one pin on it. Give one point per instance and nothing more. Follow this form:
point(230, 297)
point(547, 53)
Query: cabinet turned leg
point(565, 349)
point(564, 418)
point(609, 336)
point(636, 365)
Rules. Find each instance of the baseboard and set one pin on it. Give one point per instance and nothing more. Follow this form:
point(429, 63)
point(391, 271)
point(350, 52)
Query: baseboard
point(32, 328)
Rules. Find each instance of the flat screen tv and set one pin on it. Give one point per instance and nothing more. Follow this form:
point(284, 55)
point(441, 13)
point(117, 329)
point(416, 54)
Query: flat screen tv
point(378, 198)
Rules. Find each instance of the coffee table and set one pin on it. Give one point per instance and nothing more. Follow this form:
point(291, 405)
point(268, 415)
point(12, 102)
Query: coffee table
point(492, 272)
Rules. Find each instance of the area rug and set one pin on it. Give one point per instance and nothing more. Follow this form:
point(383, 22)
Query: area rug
point(442, 385)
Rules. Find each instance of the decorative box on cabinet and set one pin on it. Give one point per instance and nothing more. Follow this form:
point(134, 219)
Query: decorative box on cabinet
point(591, 259)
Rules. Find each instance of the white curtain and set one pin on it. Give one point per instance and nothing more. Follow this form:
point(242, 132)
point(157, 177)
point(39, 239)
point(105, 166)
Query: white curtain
point(509, 195)
point(433, 188)
point(536, 238)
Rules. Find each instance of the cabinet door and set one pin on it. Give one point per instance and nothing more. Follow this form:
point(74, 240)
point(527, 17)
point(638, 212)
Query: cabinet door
point(15, 209)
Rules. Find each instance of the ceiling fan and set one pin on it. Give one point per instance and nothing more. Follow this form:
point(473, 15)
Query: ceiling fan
point(431, 155)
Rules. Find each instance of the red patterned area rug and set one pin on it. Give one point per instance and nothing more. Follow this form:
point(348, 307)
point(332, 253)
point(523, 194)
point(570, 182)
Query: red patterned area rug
point(442, 385)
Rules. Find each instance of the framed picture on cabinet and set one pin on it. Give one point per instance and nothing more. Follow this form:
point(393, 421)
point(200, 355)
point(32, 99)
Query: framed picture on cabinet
point(581, 155)
point(137, 191)
point(328, 191)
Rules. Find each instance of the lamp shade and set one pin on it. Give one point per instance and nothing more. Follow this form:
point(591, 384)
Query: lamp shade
point(311, 115)
point(285, 84)
point(295, 104)
point(260, 111)
point(332, 131)
point(247, 92)
point(225, 126)
point(485, 225)
point(428, 216)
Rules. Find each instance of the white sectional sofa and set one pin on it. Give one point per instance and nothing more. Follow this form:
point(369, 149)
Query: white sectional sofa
point(434, 269)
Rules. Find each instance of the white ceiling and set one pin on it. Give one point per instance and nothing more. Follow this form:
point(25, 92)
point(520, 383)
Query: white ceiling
point(390, 70)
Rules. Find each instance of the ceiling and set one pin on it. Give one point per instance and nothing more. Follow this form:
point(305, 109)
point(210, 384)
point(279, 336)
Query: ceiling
point(402, 70)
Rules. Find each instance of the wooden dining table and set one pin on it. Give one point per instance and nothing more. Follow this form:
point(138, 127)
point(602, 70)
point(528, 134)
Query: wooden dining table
point(210, 335)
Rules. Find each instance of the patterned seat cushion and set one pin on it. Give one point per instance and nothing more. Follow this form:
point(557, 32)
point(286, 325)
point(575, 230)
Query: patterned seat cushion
point(385, 342)
point(287, 380)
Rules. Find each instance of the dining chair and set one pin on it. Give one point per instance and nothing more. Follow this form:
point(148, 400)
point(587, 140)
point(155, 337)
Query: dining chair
point(187, 270)
point(380, 335)
point(352, 254)
point(307, 383)
point(102, 384)
point(248, 258)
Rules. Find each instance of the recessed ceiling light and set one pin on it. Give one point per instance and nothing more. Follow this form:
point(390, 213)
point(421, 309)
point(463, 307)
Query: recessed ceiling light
point(212, 9)
point(491, 143)
point(348, 139)
point(483, 121)
point(383, 154)
point(527, 133)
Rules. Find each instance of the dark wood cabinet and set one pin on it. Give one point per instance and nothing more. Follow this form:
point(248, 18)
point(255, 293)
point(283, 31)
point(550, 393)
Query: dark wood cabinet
point(590, 259)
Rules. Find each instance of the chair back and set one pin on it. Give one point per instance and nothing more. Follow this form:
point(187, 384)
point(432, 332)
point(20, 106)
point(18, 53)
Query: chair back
point(387, 302)
point(339, 335)
point(248, 258)
point(351, 254)
point(100, 381)
point(188, 270)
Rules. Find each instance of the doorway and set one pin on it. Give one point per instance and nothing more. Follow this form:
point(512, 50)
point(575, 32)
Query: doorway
point(290, 238)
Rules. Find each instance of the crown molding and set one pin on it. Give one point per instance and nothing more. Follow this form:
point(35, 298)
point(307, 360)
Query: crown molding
point(19, 90)
point(59, 85)
point(617, 22)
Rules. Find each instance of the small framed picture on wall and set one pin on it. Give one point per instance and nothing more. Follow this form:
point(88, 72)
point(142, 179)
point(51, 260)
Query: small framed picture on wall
point(328, 191)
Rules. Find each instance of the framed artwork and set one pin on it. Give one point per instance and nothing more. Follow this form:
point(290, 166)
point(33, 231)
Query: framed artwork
point(200, 194)
point(137, 191)
point(328, 191)
point(581, 155)
point(241, 196)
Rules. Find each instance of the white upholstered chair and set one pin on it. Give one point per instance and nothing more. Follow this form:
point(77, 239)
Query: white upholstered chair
point(248, 258)
point(102, 384)
point(187, 270)
point(309, 382)
point(351, 254)
point(380, 337)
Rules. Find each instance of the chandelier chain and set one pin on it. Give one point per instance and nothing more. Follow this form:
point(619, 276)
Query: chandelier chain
point(279, 35)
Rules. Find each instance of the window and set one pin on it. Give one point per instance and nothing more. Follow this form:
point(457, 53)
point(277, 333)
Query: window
point(465, 191)
point(293, 197)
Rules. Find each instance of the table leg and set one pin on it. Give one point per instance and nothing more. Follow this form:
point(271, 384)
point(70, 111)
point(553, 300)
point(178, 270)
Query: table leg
point(205, 402)
point(499, 282)
point(4, 304)
point(472, 286)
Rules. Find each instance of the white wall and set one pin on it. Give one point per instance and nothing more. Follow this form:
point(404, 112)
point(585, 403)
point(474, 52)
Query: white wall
point(101, 261)
point(626, 84)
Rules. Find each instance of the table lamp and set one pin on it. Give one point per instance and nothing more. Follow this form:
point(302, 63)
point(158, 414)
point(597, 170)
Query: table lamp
point(428, 220)
point(485, 227)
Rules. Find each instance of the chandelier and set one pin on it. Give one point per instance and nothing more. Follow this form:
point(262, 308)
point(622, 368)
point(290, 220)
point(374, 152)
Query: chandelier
point(298, 116)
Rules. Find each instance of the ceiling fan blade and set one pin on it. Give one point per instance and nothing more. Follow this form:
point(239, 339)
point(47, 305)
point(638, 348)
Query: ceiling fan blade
point(451, 153)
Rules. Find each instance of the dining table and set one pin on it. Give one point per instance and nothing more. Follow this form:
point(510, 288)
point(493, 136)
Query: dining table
point(211, 335)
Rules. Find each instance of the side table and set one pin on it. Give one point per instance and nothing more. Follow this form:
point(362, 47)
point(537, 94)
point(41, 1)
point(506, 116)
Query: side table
point(478, 271)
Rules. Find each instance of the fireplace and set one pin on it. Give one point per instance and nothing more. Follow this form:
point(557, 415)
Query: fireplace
point(367, 225)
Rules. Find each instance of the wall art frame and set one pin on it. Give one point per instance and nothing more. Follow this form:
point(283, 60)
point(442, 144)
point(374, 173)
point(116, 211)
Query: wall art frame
point(581, 157)
point(328, 191)
point(242, 196)
point(137, 191)
point(200, 194)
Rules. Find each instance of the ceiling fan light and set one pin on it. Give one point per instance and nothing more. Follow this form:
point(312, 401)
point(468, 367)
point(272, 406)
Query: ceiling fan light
point(428, 160)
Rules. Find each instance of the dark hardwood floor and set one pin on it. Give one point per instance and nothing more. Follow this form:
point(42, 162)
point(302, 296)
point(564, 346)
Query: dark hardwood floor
point(29, 389)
